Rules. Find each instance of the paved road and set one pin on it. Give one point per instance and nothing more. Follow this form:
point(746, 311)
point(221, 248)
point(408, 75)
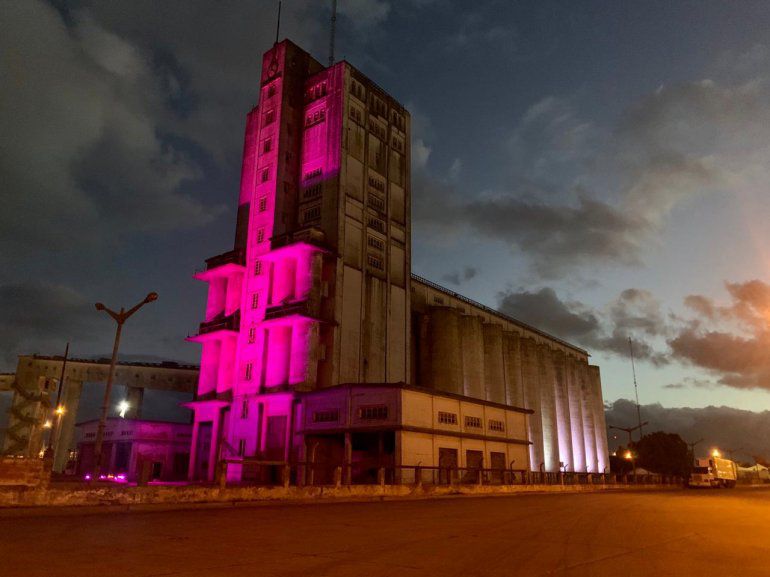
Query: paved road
point(630, 534)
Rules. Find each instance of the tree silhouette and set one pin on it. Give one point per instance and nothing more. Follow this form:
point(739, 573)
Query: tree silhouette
point(663, 453)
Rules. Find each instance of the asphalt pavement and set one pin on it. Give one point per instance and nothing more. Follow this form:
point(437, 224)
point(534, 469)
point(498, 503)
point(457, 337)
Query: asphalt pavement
point(653, 533)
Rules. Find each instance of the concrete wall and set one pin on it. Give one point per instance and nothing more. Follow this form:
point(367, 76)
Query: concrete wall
point(462, 347)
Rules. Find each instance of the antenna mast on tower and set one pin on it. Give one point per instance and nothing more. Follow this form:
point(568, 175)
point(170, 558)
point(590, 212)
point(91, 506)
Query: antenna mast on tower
point(636, 388)
point(332, 32)
point(278, 23)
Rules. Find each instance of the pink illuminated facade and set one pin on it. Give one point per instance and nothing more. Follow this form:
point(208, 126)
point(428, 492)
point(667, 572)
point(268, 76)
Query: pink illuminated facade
point(317, 297)
point(276, 324)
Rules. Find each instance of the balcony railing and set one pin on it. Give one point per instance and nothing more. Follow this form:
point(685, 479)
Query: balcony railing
point(286, 309)
point(236, 256)
point(221, 323)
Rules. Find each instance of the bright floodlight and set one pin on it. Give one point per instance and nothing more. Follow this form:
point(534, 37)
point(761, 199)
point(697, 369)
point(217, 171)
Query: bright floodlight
point(123, 407)
point(59, 410)
point(47, 424)
point(628, 455)
point(715, 453)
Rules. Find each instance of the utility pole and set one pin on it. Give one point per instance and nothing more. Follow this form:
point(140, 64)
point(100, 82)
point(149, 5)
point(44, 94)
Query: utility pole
point(58, 409)
point(630, 430)
point(120, 318)
point(636, 389)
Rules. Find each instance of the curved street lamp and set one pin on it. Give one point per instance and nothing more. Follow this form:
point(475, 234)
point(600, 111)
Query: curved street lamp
point(120, 318)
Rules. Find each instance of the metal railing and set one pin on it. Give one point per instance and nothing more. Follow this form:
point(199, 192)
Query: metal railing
point(276, 473)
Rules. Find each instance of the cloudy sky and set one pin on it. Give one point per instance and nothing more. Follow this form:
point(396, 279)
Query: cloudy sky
point(599, 169)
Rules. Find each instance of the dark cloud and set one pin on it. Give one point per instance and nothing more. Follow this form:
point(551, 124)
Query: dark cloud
point(581, 195)
point(723, 427)
point(40, 317)
point(457, 277)
point(634, 313)
point(84, 109)
point(731, 341)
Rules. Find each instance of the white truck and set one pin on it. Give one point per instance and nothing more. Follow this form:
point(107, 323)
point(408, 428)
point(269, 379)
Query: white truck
point(714, 472)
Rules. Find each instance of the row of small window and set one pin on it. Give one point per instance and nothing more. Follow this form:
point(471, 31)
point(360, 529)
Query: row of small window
point(376, 203)
point(376, 129)
point(375, 243)
point(315, 173)
point(315, 117)
point(313, 191)
point(315, 92)
point(357, 90)
point(368, 413)
point(377, 224)
point(375, 262)
point(376, 184)
point(446, 418)
point(311, 214)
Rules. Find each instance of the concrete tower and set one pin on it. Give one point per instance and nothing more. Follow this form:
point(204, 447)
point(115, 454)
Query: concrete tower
point(315, 291)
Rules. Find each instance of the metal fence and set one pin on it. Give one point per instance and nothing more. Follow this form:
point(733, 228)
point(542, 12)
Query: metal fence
point(276, 473)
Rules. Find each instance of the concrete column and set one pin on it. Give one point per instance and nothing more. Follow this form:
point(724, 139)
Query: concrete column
point(514, 394)
point(424, 345)
point(531, 389)
point(494, 369)
point(600, 425)
point(563, 416)
point(216, 431)
point(66, 430)
point(589, 431)
point(193, 452)
point(547, 377)
point(347, 472)
point(576, 415)
point(472, 347)
point(135, 398)
point(446, 361)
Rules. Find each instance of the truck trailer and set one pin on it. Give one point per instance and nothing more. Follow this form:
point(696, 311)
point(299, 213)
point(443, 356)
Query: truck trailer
point(714, 472)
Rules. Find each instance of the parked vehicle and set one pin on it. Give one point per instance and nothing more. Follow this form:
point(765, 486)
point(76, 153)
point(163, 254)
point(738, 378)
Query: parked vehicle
point(714, 472)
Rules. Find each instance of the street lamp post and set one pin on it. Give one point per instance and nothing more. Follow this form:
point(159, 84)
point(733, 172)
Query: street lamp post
point(630, 430)
point(120, 318)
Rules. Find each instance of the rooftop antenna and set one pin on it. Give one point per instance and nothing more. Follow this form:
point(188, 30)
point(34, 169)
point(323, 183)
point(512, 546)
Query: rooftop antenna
point(636, 388)
point(278, 23)
point(332, 32)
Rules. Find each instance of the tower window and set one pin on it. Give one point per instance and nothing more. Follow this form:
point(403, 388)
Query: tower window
point(269, 117)
point(263, 204)
point(245, 409)
point(248, 371)
point(267, 145)
point(375, 262)
point(315, 117)
point(265, 175)
point(271, 90)
point(313, 213)
point(446, 418)
point(472, 422)
point(373, 413)
point(241, 447)
point(255, 300)
point(252, 335)
point(257, 267)
point(495, 425)
point(377, 224)
point(260, 235)
point(326, 416)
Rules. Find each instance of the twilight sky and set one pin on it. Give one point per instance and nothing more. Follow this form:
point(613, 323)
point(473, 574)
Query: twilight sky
point(598, 169)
